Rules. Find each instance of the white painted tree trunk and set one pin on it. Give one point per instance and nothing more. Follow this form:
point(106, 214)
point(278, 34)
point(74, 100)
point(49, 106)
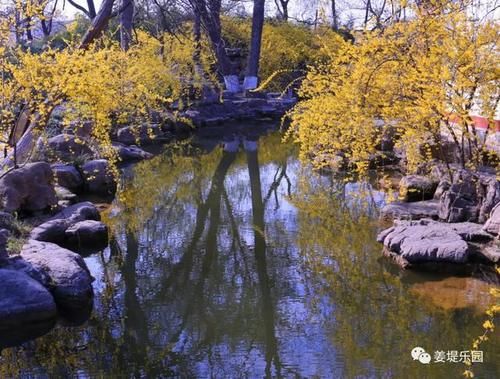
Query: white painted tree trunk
point(232, 83)
point(251, 82)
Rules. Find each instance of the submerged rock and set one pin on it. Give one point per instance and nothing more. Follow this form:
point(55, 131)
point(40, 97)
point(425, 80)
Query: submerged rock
point(23, 301)
point(29, 188)
point(411, 242)
point(70, 279)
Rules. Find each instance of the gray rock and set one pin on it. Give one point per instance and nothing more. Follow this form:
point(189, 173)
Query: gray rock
point(29, 188)
point(77, 226)
point(87, 234)
point(23, 301)
point(493, 224)
point(98, 177)
point(51, 231)
point(79, 212)
point(471, 197)
point(68, 147)
point(71, 282)
point(131, 153)
point(142, 134)
point(429, 241)
point(411, 211)
point(416, 188)
point(65, 195)
point(4, 236)
point(67, 176)
point(7, 221)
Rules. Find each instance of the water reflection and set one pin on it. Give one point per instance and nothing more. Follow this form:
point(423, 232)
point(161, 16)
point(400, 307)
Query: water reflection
point(239, 262)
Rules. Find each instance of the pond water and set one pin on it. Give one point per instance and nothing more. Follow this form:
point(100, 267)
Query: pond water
point(238, 261)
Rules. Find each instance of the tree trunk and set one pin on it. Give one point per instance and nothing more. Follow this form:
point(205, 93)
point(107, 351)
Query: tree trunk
point(335, 21)
point(126, 23)
point(99, 23)
point(252, 75)
point(209, 13)
point(91, 7)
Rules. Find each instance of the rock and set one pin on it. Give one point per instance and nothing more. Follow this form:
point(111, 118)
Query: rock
point(411, 211)
point(79, 212)
point(88, 234)
point(416, 188)
point(16, 263)
point(471, 197)
point(98, 177)
point(4, 236)
point(23, 301)
point(71, 282)
point(68, 147)
point(489, 193)
point(459, 203)
point(429, 241)
point(29, 188)
point(142, 134)
point(82, 129)
point(7, 221)
point(77, 227)
point(67, 176)
point(65, 195)
point(131, 153)
point(492, 226)
point(51, 231)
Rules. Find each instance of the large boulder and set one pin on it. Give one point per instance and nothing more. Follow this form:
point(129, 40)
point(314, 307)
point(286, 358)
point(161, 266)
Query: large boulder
point(470, 197)
point(411, 211)
point(29, 188)
point(68, 147)
point(417, 188)
point(71, 282)
point(23, 301)
point(99, 178)
point(412, 242)
point(493, 224)
point(66, 175)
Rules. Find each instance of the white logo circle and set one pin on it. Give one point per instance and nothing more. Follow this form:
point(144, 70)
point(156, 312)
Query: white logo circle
point(415, 353)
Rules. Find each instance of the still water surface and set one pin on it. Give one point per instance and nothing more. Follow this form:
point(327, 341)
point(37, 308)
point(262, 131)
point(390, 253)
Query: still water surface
point(238, 261)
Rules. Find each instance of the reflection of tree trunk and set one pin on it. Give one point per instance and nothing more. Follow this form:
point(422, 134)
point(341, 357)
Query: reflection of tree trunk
point(268, 313)
point(136, 325)
point(184, 267)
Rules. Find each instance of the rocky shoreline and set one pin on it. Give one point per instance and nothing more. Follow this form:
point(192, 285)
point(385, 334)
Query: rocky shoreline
point(438, 220)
